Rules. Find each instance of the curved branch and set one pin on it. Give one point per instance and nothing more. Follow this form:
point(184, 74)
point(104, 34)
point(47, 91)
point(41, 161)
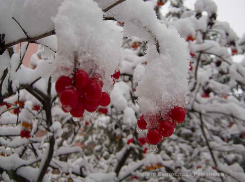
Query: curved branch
point(29, 39)
point(113, 5)
point(48, 159)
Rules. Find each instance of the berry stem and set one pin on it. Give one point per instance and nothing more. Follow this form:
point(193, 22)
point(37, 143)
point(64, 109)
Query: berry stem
point(75, 68)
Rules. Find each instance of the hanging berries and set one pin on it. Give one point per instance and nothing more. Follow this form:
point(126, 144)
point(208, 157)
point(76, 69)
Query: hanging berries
point(26, 128)
point(105, 99)
point(81, 92)
point(153, 136)
point(62, 83)
point(177, 114)
point(82, 79)
point(142, 123)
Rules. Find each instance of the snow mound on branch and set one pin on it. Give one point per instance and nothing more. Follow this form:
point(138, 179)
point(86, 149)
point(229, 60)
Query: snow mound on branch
point(96, 42)
point(164, 83)
point(205, 5)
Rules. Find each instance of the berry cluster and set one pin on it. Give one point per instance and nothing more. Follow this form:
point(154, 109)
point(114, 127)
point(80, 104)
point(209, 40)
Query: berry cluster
point(26, 130)
point(81, 92)
point(165, 124)
point(20, 105)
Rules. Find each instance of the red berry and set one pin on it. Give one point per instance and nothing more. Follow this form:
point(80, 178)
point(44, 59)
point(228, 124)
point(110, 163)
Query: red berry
point(80, 103)
point(91, 106)
point(130, 141)
point(25, 134)
point(82, 79)
point(166, 129)
point(178, 114)
point(190, 67)
point(103, 110)
point(77, 112)
point(190, 38)
point(17, 110)
point(142, 141)
point(105, 99)
point(145, 150)
point(234, 51)
point(153, 136)
point(192, 54)
point(69, 98)
point(116, 75)
point(160, 3)
point(36, 107)
point(205, 95)
point(97, 78)
point(93, 92)
point(62, 83)
point(142, 123)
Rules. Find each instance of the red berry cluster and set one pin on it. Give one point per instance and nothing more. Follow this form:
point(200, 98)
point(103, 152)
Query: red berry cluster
point(165, 127)
point(81, 92)
point(20, 105)
point(5, 104)
point(26, 130)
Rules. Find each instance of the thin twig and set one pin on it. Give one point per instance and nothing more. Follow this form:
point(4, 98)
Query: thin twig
point(21, 27)
point(113, 5)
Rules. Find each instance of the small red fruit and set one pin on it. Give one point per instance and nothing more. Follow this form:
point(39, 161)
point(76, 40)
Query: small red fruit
point(25, 134)
point(145, 150)
point(120, 23)
point(142, 141)
point(105, 99)
point(91, 106)
point(135, 45)
point(17, 111)
point(160, 3)
point(77, 112)
point(177, 114)
point(153, 136)
point(97, 78)
point(103, 110)
point(166, 129)
point(142, 123)
point(190, 67)
point(36, 107)
point(190, 38)
point(130, 141)
point(205, 95)
point(234, 51)
point(62, 83)
point(79, 104)
point(93, 92)
point(116, 75)
point(69, 98)
point(192, 54)
point(82, 79)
